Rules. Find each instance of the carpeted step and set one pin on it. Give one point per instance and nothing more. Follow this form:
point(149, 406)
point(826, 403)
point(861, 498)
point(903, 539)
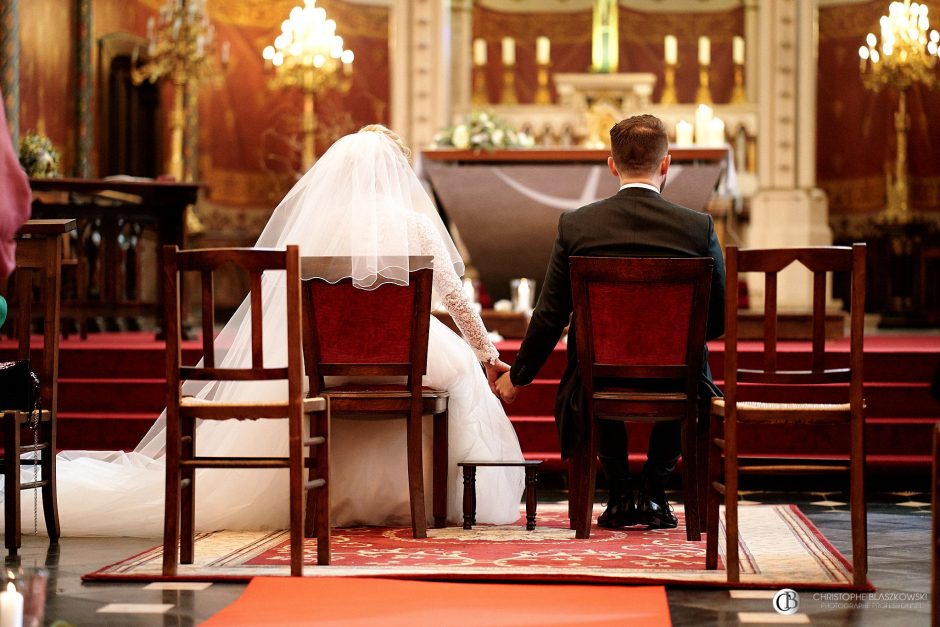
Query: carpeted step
point(112, 395)
point(102, 431)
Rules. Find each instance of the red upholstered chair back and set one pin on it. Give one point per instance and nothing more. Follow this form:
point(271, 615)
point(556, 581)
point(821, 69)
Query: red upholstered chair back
point(355, 332)
point(640, 317)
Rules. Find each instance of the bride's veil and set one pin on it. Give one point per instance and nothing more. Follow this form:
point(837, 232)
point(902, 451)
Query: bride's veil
point(358, 201)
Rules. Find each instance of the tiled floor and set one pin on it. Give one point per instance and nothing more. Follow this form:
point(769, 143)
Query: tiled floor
point(899, 562)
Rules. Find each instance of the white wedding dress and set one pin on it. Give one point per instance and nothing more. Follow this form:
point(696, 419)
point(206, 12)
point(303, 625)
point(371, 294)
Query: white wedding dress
point(107, 493)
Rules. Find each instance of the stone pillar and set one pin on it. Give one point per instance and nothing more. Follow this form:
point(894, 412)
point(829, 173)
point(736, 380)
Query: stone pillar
point(420, 53)
point(84, 127)
point(10, 64)
point(789, 210)
point(461, 55)
point(751, 47)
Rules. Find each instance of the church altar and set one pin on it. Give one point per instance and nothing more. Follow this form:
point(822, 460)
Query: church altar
point(505, 204)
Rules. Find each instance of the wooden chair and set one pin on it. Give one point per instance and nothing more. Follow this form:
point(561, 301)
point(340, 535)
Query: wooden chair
point(814, 383)
point(640, 327)
point(182, 412)
point(38, 260)
point(935, 530)
point(351, 332)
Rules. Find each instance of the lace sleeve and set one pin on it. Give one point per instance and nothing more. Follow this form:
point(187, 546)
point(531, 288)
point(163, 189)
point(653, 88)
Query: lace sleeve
point(449, 287)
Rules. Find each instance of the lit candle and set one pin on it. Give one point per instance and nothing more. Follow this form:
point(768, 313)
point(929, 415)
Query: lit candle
point(542, 50)
point(704, 51)
point(523, 296)
point(737, 50)
point(683, 133)
point(150, 27)
point(479, 51)
point(226, 52)
point(11, 607)
point(469, 291)
point(509, 51)
point(716, 132)
point(671, 49)
point(703, 118)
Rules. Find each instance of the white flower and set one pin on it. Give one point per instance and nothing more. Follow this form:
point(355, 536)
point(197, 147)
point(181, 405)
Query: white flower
point(498, 137)
point(461, 138)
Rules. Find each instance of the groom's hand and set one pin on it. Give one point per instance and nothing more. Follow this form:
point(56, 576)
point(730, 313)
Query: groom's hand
point(493, 371)
point(506, 390)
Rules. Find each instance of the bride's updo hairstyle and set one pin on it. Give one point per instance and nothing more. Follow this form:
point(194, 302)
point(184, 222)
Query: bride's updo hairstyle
point(392, 135)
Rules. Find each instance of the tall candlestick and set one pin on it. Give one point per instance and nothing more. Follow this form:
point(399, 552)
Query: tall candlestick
point(11, 607)
point(509, 51)
point(671, 49)
point(737, 50)
point(479, 51)
point(542, 50)
point(704, 51)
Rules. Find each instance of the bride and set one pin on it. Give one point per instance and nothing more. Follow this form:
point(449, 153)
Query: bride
point(360, 200)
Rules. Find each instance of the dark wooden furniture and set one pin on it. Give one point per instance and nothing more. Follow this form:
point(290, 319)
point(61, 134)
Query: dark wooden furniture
point(351, 332)
point(935, 530)
point(640, 326)
point(812, 385)
point(113, 216)
point(470, 488)
point(183, 411)
point(38, 260)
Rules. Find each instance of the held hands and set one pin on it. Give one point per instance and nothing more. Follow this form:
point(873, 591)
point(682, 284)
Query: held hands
point(506, 390)
point(493, 371)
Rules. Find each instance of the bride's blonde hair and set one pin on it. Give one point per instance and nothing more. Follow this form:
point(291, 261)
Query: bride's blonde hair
point(392, 135)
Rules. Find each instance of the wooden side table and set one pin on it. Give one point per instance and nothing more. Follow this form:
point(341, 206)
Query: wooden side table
point(470, 488)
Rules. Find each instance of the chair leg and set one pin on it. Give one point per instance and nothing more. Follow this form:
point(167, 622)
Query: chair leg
point(573, 496)
point(713, 476)
point(587, 474)
point(50, 505)
point(857, 504)
point(11, 486)
point(296, 497)
point(439, 475)
point(731, 501)
point(187, 493)
point(323, 493)
point(416, 474)
point(690, 470)
point(171, 504)
point(703, 442)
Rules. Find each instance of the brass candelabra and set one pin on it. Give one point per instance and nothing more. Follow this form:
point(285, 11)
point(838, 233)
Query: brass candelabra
point(182, 49)
point(906, 55)
point(738, 95)
point(669, 96)
point(542, 93)
point(704, 94)
point(508, 95)
point(309, 56)
point(480, 95)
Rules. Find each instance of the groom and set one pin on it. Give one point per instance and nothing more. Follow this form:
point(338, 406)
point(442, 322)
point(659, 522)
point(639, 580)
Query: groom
point(635, 222)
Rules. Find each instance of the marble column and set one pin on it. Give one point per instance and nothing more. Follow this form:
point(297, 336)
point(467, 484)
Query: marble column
point(420, 52)
point(461, 54)
point(84, 127)
point(10, 64)
point(789, 210)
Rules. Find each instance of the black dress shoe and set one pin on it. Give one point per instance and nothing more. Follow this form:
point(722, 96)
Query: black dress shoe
point(655, 515)
point(619, 513)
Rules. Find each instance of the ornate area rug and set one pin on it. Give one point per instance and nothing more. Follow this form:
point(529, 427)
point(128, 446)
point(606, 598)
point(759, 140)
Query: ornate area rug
point(779, 547)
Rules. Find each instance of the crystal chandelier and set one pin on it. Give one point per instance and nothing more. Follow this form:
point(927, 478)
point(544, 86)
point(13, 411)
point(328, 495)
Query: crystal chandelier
point(310, 56)
point(907, 55)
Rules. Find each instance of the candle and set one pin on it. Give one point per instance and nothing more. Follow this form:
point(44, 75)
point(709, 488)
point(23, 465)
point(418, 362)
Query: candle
point(150, 27)
point(703, 118)
point(226, 52)
point(737, 50)
point(683, 133)
point(469, 291)
point(716, 132)
point(671, 49)
point(523, 296)
point(704, 51)
point(11, 607)
point(479, 51)
point(509, 51)
point(542, 50)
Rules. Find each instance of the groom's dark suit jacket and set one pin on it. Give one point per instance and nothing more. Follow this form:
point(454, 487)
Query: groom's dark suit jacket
point(636, 222)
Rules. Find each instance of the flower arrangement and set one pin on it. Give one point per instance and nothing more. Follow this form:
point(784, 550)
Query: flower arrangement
point(482, 131)
point(38, 156)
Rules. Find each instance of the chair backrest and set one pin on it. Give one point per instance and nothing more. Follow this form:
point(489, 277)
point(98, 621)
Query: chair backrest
point(350, 331)
point(254, 262)
point(823, 366)
point(640, 318)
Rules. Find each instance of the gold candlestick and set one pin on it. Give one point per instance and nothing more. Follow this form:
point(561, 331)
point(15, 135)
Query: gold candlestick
point(480, 95)
point(508, 95)
point(704, 94)
point(542, 94)
point(669, 86)
point(738, 95)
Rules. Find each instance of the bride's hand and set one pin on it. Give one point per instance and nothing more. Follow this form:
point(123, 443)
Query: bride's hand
point(493, 371)
point(506, 390)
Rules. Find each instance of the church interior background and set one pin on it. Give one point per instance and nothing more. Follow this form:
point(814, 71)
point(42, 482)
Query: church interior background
point(814, 150)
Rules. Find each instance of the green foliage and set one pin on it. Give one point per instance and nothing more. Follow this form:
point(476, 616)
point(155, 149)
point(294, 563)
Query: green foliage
point(482, 131)
point(38, 156)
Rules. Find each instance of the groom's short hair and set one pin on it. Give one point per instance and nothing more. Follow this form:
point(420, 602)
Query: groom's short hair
point(638, 144)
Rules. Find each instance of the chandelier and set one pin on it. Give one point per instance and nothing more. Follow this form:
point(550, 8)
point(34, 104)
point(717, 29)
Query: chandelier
point(907, 55)
point(310, 56)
